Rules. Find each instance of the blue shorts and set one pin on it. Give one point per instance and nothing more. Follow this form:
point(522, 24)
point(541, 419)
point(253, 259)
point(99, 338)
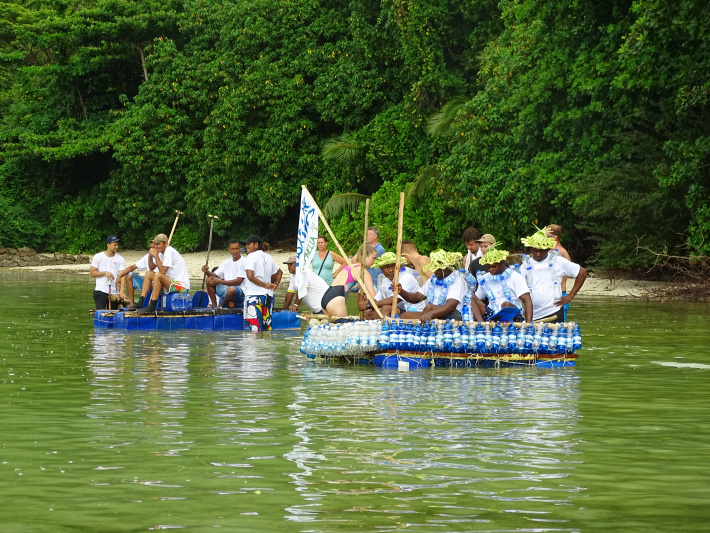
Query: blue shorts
point(221, 291)
point(137, 281)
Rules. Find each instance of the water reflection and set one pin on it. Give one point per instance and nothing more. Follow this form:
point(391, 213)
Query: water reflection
point(501, 439)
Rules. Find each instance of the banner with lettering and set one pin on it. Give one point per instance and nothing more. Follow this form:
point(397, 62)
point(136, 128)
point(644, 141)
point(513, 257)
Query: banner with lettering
point(307, 240)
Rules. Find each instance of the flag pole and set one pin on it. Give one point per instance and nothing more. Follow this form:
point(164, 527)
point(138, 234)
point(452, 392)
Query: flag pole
point(346, 257)
point(364, 243)
point(399, 252)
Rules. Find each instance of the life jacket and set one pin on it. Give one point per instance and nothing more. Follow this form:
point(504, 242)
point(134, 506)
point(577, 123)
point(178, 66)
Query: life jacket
point(485, 280)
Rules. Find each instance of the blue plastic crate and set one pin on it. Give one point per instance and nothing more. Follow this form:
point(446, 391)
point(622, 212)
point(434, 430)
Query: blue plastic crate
point(103, 319)
point(228, 322)
point(199, 322)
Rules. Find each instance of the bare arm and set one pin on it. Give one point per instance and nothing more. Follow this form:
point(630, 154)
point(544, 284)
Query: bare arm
point(96, 273)
point(256, 281)
point(527, 302)
point(338, 259)
point(578, 282)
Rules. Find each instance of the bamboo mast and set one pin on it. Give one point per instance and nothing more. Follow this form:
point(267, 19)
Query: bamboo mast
point(399, 252)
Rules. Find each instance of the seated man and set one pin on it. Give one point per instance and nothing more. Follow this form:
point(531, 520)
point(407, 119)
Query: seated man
point(383, 299)
point(136, 280)
point(314, 291)
point(418, 262)
point(544, 273)
point(225, 281)
point(444, 297)
point(503, 287)
point(105, 267)
point(171, 273)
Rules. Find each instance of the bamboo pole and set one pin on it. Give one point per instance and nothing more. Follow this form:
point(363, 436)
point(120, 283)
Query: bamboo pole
point(399, 252)
point(173, 230)
point(361, 314)
point(347, 259)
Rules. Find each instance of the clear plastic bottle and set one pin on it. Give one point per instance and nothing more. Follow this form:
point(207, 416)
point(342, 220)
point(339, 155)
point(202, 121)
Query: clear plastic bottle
point(537, 340)
point(394, 335)
point(464, 333)
point(529, 338)
point(480, 338)
point(448, 336)
point(512, 338)
point(384, 340)
point(520, 348)
point(488, 336)
point(577, 338)
point(418, 337)
point(529, 276)
point(545, 339)
point(552, 348)
point(561, 340)
point(557, 291)
point(431, 337)
point(496, 334)
point(439, 338)
point(409, 343)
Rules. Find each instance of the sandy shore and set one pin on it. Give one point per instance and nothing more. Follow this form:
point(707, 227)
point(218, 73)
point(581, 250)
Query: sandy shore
point(593, 287)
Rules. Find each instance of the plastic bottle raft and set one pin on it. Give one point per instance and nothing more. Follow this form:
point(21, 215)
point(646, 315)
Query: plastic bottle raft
point(392, 343)
point(176, 313)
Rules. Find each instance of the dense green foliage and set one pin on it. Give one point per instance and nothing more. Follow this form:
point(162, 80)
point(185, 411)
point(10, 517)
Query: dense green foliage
point(594, 115)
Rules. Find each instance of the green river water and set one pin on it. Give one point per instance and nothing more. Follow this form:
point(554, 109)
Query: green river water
point(108, 431)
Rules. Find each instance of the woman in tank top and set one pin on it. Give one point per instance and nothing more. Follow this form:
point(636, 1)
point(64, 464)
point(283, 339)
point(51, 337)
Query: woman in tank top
point(324, 260)
point(333, 301)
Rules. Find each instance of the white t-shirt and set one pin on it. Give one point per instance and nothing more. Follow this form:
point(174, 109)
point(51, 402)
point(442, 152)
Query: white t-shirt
point(177, 269)
point(542, 292)
point(314, 292)
point(263, 266)
point(142, 263)
point(408, 283)
point(105, 263)
point(470, 257)
point(231, 269)
point(516, 284)
point(457, 290)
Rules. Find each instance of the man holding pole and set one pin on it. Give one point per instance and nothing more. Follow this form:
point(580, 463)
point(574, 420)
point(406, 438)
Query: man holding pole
point(227, 280)
point(171, 274)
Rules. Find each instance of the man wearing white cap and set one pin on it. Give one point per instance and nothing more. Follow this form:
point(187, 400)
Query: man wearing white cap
point(314, 292)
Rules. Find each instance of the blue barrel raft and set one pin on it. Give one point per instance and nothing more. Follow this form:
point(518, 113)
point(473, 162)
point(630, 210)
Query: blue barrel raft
point(392, 343)
point(171, 318)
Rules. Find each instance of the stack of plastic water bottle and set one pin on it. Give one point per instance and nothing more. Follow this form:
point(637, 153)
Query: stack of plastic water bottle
point(440, 336)
point(349, 338)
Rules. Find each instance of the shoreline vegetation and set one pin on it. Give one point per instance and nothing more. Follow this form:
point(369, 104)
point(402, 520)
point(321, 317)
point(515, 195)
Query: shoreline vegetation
point(499, 115)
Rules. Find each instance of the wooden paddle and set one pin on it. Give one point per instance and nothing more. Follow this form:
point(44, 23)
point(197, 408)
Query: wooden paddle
point(174, 224)
point(199, 295)
point(399, 252)
point(361, 314)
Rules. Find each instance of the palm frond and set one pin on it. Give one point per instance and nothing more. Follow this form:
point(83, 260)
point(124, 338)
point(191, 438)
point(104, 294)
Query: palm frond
point(440, 123)
point(339, 203)
point(343, 149)
point(424, 182)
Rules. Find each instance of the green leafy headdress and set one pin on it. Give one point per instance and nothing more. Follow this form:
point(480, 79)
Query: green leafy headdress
point(539, 240)
point(493, 256)
point(441, 259)
point(388, 258)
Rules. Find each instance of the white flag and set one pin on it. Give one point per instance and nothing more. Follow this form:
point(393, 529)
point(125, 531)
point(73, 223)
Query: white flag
point(307, 240)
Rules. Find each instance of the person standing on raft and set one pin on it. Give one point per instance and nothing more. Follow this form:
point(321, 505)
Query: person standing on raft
point(324, 260)
point(263, 276)
point(171, 274)
point(105, 267)
point(383, 299)
point(333, 301)
point(544, 271)
point(503, 287)
point(444, 292)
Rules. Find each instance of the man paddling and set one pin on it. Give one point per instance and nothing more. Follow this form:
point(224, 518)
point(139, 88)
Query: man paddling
point(171, 274)
point(387, 262)
point(105, 267)
point(226, 281)
point(444, 292)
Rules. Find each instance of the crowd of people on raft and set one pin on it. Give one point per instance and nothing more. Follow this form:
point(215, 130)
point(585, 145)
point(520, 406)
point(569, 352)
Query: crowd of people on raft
point(478, 285)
